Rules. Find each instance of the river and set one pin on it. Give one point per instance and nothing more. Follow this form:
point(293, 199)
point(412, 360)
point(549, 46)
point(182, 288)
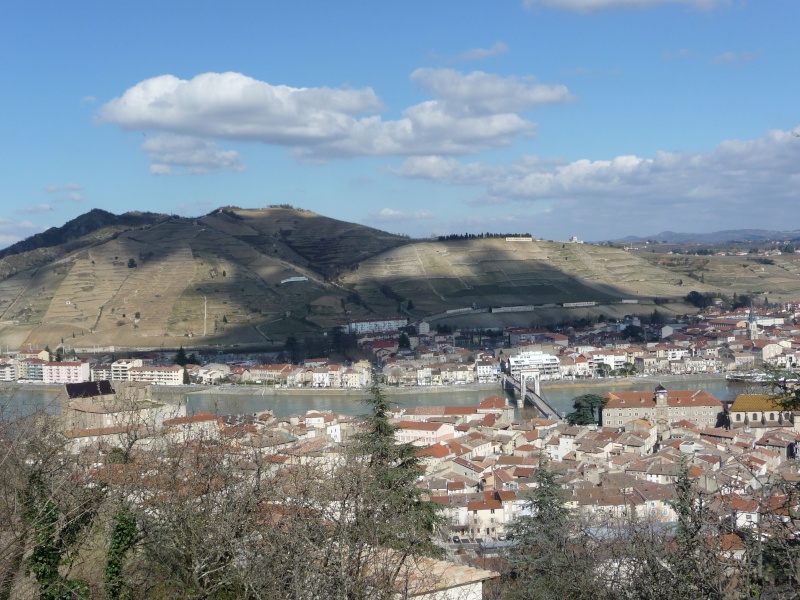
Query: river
point(560, 394)
point(23, 399)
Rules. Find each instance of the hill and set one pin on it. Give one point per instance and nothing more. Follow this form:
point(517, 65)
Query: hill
point(239, 277)
point(719, 237)
point(216, 279)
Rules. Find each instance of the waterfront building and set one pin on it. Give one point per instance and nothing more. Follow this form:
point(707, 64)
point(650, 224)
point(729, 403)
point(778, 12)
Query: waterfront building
point(120, 368)
point(547, 365)
point(31, 369)
point(662, 407)
point(65, 372)
point(8, 369)
point(170, 375)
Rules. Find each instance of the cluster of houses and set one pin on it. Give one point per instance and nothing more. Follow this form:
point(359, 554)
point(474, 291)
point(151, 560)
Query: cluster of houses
point(715, 342)
point(413, 355)
point(480, 462)
point(121, 420)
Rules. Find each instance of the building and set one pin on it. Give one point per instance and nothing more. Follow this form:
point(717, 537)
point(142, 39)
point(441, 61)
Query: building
point(120, 368)
point(65, 372)
point(8, 369)
point(34, 353)
point(547, 365)
point(759, 411)
point(422, 433)
point(373, 325)
point(31, 369)
point(171, 375)
point(661, 407)
point(100, 372)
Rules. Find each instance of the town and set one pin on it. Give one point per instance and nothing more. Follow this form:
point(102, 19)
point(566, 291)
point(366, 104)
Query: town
point(413, 354)
point(479, 463)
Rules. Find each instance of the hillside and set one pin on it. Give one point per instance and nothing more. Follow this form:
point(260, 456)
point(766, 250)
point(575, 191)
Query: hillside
point(161, 282)
point(213, 280)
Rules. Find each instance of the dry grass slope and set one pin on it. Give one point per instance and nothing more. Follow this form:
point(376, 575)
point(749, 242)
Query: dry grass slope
point(217, 280)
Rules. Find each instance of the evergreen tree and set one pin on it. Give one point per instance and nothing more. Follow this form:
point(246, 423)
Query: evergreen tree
point(548, 555)
point(180, 357)
point(402, 518)
point(584, 409)
point(404, 342)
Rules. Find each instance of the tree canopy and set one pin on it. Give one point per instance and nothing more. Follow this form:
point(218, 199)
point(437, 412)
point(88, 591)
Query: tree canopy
point(584, 409)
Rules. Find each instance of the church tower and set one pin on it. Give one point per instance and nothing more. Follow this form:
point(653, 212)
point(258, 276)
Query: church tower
point(752, 325)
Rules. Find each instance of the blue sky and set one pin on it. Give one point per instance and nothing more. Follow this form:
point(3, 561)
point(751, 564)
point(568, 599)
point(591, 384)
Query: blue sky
point(595, 118)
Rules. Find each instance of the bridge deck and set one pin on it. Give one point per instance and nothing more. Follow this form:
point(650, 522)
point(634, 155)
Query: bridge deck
point(537, 401)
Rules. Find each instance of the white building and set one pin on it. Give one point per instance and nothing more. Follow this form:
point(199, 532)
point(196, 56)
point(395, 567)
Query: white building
point(547, 365)
point(172, 375)
point(65, 372)
point(373, 325)
point(31, 369)
point(120, 368)
point(487, 371)
point(8, 369)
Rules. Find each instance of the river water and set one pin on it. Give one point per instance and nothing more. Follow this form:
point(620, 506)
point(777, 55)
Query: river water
point(560, 395)
point(18, 400)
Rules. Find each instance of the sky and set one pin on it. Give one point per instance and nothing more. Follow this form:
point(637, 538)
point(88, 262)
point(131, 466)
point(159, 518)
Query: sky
point(591, 118)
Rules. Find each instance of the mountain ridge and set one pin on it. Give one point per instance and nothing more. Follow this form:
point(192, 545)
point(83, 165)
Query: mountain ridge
point(718, 237)
point(246, 277)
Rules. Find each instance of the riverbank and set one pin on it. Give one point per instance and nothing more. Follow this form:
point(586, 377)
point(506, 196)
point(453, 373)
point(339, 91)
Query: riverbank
point(267, 390)
point(629, 381)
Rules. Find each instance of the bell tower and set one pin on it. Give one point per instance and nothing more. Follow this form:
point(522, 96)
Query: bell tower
point(752, 325)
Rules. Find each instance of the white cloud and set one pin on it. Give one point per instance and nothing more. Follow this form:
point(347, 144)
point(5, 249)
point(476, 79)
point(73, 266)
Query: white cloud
point(12, 230)
point(498, 49)
point(389, 215)
point(69, 187)
point(727, 183)
point(198, 207)
point(178, 154)
point(440, 168)
point(587, 6)
point(62, 193)
point(234, 106)
point(470, 113)
point(34, 210)
point(487, 93)
point(733, 58)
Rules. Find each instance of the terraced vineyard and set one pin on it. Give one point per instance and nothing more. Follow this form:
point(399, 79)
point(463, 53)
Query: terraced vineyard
point(186, 282)
point(778, 276)
point(437, 276)
point(239, 277)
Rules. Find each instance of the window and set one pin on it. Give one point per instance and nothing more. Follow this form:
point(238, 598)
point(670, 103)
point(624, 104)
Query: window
point(738, 417)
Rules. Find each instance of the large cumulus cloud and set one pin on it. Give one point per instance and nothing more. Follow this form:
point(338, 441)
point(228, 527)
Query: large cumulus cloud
point(733, 183)
point(469, 113)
